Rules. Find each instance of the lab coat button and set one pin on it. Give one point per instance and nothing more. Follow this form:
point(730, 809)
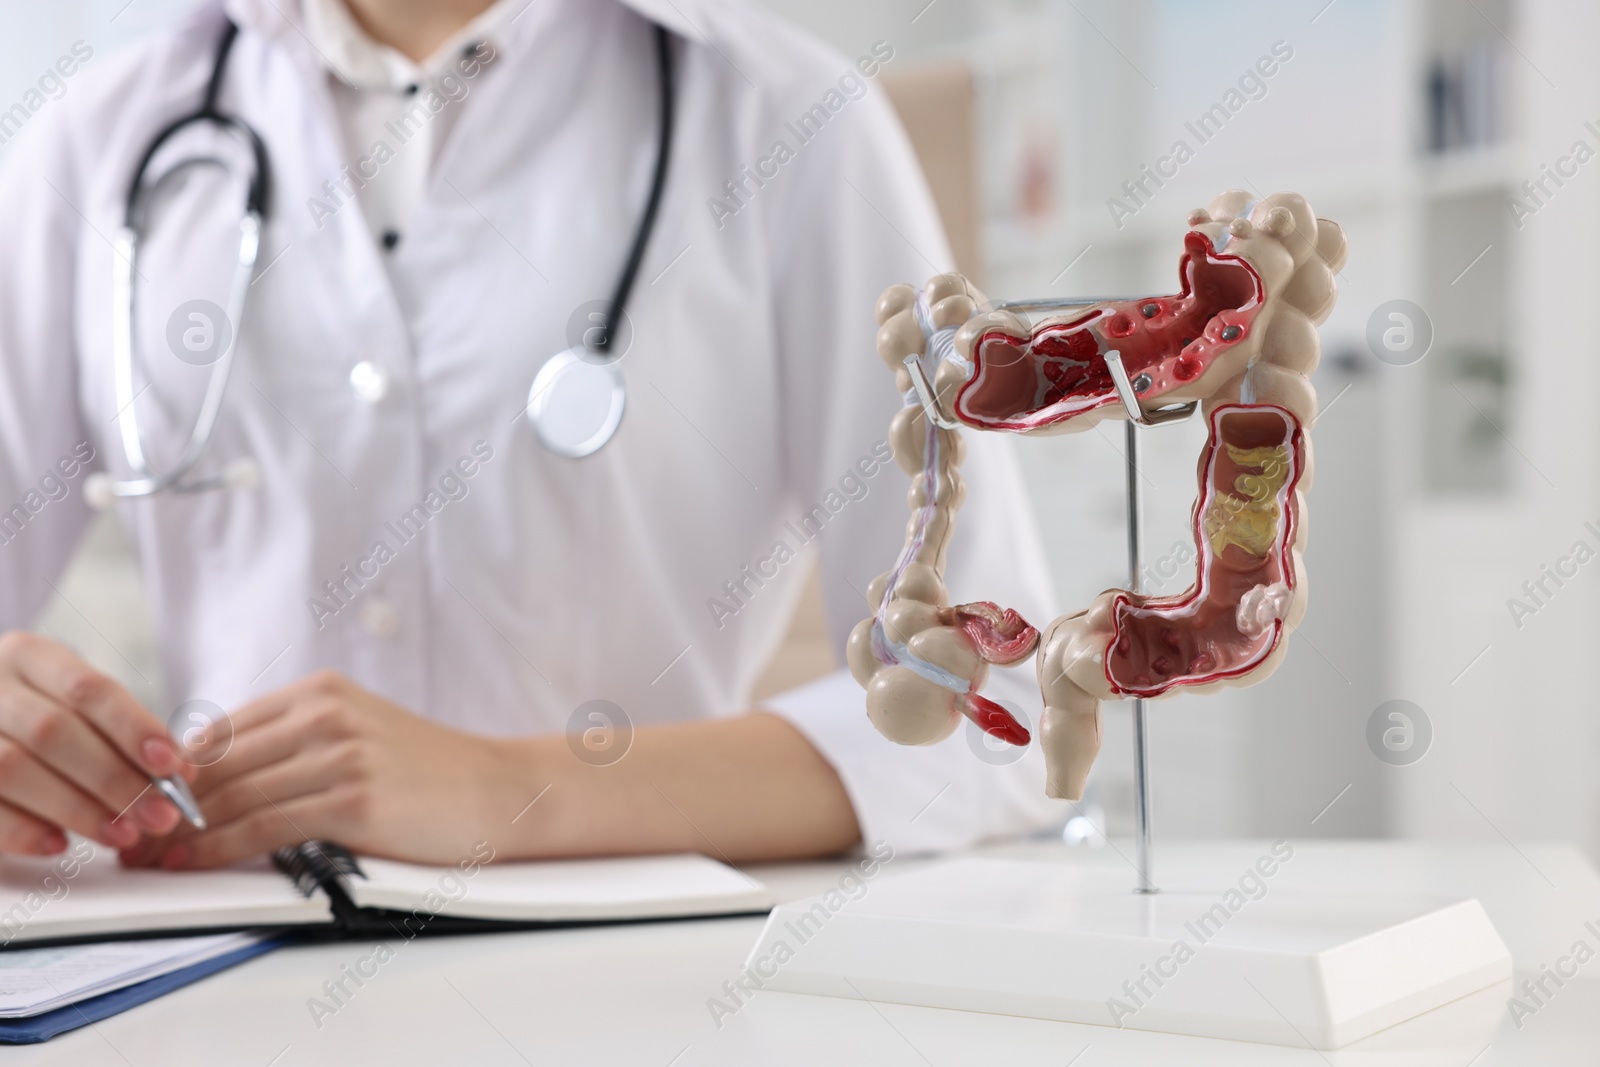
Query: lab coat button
point(370, 381)
point(379, 617)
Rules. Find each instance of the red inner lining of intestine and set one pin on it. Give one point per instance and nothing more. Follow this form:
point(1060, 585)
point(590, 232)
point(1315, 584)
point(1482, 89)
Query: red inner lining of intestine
point(1158, 643)
point(1000, 635)
point(1003, 636)
point(1059, 370)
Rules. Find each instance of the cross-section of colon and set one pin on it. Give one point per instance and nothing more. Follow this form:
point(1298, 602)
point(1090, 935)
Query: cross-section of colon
point(1245, 520)
point(1239, 337)
point(1030, 381)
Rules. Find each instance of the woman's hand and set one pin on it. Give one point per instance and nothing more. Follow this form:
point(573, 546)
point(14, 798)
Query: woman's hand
point(323, 759)
point(77, 752)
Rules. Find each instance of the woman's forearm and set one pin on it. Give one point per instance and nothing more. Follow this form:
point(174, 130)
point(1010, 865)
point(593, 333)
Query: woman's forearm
point(742, 789)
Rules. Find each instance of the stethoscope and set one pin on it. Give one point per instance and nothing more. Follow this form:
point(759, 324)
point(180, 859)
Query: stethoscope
point(100, 490)
point(575, 403)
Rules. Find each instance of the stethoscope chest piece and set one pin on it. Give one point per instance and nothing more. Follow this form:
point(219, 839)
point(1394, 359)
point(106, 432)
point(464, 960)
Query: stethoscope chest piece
point(577, 398)
point(576, 403)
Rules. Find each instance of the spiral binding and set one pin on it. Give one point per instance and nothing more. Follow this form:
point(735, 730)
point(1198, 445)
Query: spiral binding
point(316, 865)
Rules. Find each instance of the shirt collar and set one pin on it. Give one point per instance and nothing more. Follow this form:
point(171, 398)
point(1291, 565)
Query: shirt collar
point(351, 54)
point(515, 22)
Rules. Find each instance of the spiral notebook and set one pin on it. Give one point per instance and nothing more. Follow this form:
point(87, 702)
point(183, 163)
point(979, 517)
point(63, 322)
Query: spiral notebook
point(320, 887)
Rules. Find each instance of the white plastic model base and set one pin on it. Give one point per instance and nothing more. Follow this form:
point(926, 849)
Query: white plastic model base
point(1057, 941)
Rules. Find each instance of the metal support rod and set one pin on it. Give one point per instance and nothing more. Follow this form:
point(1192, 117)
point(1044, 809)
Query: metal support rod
point(1128, 393)
point(1141, 747)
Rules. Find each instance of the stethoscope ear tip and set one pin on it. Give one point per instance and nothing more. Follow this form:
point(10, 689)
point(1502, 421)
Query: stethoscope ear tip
point(97, 491)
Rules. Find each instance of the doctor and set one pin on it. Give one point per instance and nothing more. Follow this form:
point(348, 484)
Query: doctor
point(407, 600)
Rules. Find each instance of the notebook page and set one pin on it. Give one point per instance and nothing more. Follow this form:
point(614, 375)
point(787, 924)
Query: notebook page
point(86, 892)
point(632, 887)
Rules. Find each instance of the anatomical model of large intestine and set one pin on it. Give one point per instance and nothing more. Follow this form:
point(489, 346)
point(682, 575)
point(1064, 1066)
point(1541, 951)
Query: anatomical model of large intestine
point(1240, 338)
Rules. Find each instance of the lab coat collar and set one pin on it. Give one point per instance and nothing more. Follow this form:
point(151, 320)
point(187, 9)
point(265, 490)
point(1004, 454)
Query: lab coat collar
point(285, 19)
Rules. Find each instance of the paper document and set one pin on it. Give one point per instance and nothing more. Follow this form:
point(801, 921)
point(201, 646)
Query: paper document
point(37, 980)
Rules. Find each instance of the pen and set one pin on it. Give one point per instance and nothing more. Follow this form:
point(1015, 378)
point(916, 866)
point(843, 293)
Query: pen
point(177, 792)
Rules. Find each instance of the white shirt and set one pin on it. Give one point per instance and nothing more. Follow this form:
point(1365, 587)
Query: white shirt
point(374, 85)
point(417, 538)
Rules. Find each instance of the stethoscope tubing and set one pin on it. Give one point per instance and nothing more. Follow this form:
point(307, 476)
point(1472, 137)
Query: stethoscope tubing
point(124, 269)
point(594, 360)
point(658, 184)
point(126, 254)
point(147, 482)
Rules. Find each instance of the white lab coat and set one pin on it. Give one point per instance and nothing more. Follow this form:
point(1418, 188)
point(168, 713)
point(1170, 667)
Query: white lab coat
point(754, 391)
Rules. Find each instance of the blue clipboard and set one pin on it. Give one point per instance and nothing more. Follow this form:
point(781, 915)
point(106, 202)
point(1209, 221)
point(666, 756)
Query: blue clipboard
point(43, 1027)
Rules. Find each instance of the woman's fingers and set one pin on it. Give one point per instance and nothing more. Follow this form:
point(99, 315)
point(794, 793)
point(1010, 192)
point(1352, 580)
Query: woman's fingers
point(252, 750)
point(52, 669)
point(29, 785)
point(147, 851)
point(73, 750)
point(289, 753)
point(23, 834)
point(253, 811)
point(313, 771)
point(264, 709)
point(270, 826)
point(73, 734)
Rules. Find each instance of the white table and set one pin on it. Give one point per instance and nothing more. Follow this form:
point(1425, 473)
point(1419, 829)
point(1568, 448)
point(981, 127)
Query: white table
point(637, 995)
